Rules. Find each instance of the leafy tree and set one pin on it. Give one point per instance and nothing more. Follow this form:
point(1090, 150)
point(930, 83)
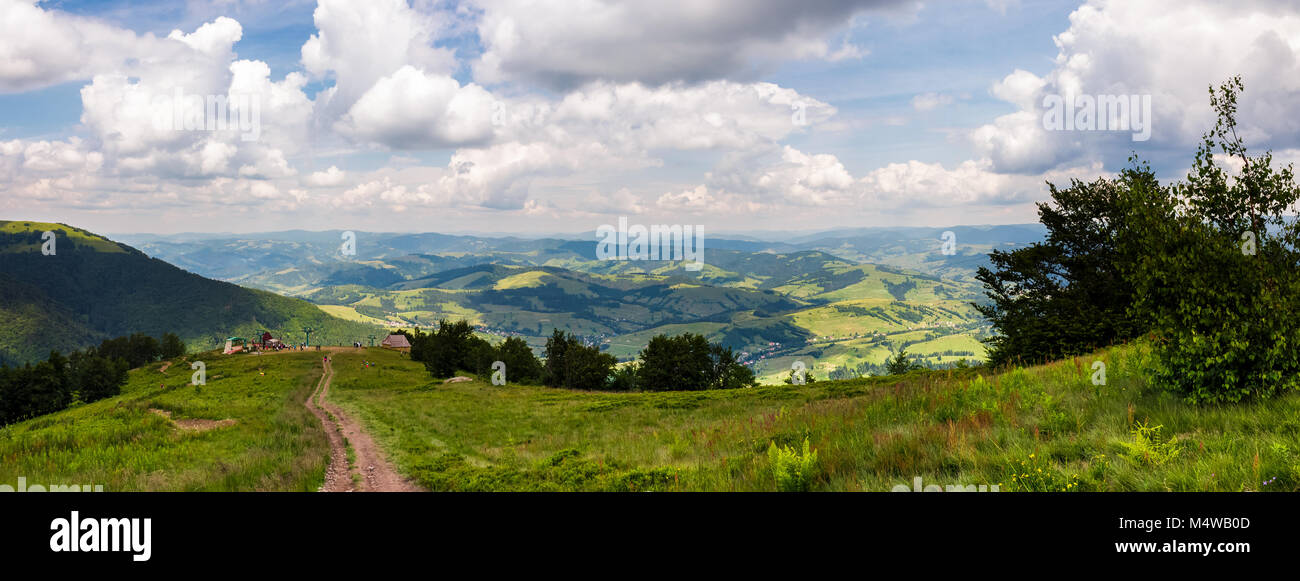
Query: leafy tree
point(171, 346)
point(1218, 276)
point(557, 347)
point(30, 391)
point(727, 372)
point(624, 377)
point(689, 362)
point(571, 364)
point(681, 362)
point(451, 348)
point(521, 365)
point(137, 349)
point(901, 364)
point(54, 384)
point(96, 377)
point(1067, 294)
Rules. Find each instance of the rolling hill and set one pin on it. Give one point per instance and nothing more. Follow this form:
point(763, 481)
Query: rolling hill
point(812, 298)
point(92, 288)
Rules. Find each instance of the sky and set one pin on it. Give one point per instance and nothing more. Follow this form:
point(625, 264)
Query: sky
point(522, 116)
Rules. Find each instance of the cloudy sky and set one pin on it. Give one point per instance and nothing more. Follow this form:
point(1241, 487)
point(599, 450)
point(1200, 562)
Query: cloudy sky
point(526, 116)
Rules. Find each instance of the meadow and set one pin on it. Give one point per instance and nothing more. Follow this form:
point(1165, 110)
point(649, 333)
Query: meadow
point(1042, 428)
point(1038, 428)
point(128, 442)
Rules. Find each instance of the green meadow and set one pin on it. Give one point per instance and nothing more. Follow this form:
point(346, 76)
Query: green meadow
point(1040, 428)
point(123, 445)
point(1043, 428)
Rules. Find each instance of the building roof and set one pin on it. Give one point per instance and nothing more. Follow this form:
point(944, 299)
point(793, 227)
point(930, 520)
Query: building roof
point(396, 341)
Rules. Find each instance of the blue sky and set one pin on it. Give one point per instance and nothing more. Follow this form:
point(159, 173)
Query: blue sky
point(502, 115)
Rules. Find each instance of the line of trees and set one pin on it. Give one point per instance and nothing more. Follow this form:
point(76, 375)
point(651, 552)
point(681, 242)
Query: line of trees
point(682, 362)
point(83, 376)
point(1206, 268)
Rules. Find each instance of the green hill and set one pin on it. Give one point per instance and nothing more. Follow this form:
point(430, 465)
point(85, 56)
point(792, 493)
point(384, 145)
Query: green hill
point(92, 288)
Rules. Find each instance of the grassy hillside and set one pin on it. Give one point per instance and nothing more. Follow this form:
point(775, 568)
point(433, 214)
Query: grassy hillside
point(1038, 428)
point(1041, 428)
point(126, 443)
point(93, 288)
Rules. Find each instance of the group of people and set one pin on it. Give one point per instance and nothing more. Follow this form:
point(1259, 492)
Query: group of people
point(289, 346)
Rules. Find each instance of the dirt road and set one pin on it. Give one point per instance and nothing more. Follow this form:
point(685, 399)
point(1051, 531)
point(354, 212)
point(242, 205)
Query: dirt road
point(372, 472)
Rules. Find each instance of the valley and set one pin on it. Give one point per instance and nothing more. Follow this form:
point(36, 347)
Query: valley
point(776, 302)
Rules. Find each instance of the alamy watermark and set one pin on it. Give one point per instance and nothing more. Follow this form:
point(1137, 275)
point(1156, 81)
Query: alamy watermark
point(949, 246)
point(349, 246)
point(917, 487)
point(1099, 113)
point(102, 535)
point(798, 373)
point(24, 487)
point(200, 376)
point(655, 242)
point(498, 373)
point(183, 112)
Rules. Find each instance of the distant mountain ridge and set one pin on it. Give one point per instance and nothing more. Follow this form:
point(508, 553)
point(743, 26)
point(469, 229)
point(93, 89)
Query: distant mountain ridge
point(294, 261)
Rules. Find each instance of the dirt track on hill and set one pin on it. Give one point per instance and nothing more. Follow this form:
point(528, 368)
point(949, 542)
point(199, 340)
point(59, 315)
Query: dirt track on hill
point(376, 474)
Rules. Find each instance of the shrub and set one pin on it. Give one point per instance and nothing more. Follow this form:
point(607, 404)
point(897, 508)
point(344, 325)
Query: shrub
point(1148, 447)
point(792, 470)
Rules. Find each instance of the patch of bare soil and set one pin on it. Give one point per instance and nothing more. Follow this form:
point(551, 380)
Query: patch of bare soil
point(194, 425)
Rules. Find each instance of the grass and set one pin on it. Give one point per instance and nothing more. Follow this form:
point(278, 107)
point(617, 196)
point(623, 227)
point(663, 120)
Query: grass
point(275, 444)
point(350, 314)
point(76, 235)
point(1040, 428)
